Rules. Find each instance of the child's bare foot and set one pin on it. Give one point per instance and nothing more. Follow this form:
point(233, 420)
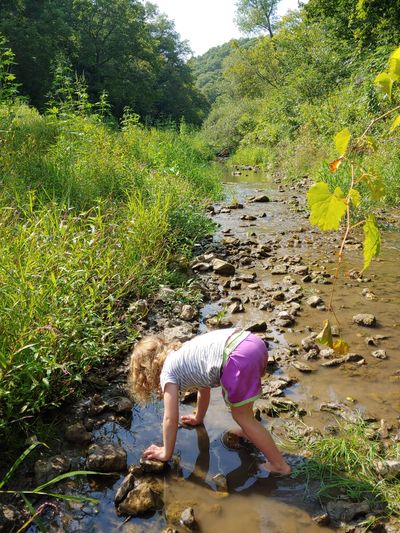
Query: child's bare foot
point(282, 468)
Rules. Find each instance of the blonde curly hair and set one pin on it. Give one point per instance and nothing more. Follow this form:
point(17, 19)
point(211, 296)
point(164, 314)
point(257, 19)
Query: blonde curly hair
point(145, 367)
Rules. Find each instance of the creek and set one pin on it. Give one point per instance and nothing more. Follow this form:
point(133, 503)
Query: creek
point(256, 502)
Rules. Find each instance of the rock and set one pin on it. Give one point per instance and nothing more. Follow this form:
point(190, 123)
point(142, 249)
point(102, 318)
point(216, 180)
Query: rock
point(201, 267)
point(126, 486)
point(138, 501)
point(47, 469)
point(235, 285)
point(262, 198)
point(9, 518)
point(315, 301)
point(248, 217)
point(388, 469)
point(309, 343)
point(223, 267)
point(220, 482)
point(257, 327)
point(300, 270)
point(165, 294)
point(302, 367)
point(322, 519)
point(364, 319)
point(77, 434)
point(139, 309)
point(151, 466)
point(326, 353)
point(179, 333)
point(188, 313)
point(379, 354)
point(121, 405)
point(345, 511)
point(217, 322)
point(279, 296)
point(188, 519)
point(106, 458)
point(279, 270)
point(236, 307)
point(349, 358)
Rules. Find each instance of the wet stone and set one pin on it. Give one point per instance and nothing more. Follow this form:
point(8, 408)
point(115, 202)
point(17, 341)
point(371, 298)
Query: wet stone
point(188, 313)
point(9, 517)
point(152, 467)
point(315, 301)
point(139, 501)
point(322, 519)
point(379, 354)
point(106, 458)
point(364, 319)
point(235, 285)
point(220, 482)
point(262, 198)
point(302, 367)
point(345, 511)
point(279, 270)
point(257, 327)
point(223, 267)
point(126, 486)
point(388, 469)
point(77, 434)
point(236, 307)
point(47, 469)
point(188, 519)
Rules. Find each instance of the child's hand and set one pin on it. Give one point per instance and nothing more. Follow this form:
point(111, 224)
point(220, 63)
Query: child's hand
point(191, 420)
point(156, 453)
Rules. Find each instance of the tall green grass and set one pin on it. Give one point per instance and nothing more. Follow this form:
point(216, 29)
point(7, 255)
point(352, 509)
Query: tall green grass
point(90, 220)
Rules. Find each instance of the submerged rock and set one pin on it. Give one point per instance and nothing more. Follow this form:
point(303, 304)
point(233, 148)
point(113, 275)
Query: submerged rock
point(126, 486)
point(365, 319)
point(106, 458)
point(47, 469)
point(77, 434)
point(345, 511)
point(140, 500)
point(188, 519)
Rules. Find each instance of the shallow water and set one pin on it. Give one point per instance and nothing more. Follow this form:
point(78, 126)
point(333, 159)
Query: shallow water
point(256, 502)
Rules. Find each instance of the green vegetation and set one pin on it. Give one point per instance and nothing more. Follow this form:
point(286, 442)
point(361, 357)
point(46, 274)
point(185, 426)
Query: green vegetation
point(124, 47)
point(353, 463)
point(284, 98)
point(91, 219)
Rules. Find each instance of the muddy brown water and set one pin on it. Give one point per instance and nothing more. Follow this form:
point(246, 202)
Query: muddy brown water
point(256, 502)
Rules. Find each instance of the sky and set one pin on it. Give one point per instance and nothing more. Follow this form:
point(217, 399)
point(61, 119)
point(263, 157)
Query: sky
point(207, 23)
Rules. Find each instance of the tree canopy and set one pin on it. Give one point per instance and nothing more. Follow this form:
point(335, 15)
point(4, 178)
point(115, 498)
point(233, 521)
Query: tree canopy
point(257, 16)
point(123, 47)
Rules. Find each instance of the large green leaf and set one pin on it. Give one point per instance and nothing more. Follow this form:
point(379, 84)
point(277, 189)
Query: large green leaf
point(375, 185)
point(396, 123)
point(372, 240)
point(327, 208)
point(385, 83)
point(394, 65)
point(355, 197)
point(342, 140)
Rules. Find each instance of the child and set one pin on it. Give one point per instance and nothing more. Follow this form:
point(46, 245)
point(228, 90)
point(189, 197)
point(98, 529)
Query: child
point(234, 359)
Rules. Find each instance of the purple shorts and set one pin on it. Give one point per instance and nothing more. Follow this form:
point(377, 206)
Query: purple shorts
point(242, 372)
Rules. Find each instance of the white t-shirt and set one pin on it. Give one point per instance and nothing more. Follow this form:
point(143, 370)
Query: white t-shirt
point(197, 363)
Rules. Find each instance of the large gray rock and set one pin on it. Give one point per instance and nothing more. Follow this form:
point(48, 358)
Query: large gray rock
point(365, 319)
point(106, 458)
point(345, 511)
point(47, 469)
point(188, 312)
point(223, 267)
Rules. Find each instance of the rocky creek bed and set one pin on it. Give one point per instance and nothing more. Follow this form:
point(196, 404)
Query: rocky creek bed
point(266, 270)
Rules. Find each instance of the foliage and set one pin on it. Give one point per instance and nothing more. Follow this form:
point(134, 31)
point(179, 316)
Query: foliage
point(8, 84)
point(90, 219)
point(40, 489)
point(125, 48)
point(348, 462)
point(255, 16)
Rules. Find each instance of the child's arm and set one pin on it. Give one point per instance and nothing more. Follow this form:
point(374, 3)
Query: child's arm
point(203, 401)
point(170, 426)
point(260, 437)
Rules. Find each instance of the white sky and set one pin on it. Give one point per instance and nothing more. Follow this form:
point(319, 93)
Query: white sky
point(207, 23)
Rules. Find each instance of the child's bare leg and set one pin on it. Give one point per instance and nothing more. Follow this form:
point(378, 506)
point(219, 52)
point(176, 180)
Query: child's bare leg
point(261, 438)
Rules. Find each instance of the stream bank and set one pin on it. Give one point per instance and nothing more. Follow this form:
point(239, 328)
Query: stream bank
point(280, 288)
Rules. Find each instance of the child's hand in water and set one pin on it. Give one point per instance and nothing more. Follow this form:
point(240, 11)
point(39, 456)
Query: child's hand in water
point(191, 420)
point(156, 453)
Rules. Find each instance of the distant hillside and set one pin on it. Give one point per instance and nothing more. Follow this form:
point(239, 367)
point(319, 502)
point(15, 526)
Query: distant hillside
point(208, 69)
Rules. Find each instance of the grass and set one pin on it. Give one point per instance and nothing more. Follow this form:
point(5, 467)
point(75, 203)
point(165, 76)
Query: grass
point(91, 219)
point(345, 464)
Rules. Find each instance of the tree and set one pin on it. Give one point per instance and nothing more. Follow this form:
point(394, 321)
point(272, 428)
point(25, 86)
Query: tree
point(256, 16)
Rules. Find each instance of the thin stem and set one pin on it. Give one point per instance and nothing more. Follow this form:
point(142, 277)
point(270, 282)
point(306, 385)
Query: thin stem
point(373, 121)
point(346, 233)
